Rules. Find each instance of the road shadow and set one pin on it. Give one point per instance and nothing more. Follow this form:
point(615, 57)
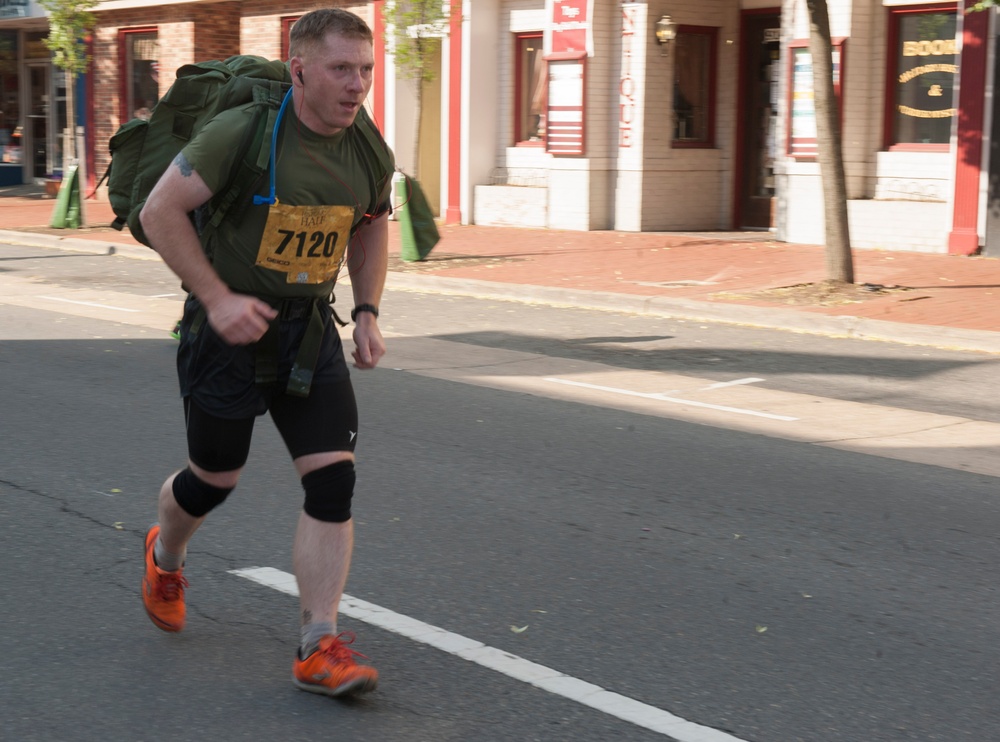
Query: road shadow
point(622, 352)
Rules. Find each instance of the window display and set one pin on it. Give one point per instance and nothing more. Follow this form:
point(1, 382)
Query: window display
point(923, 79)
point(10, 109)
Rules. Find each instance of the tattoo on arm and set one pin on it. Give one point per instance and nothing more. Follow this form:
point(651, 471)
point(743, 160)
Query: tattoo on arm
point(183, 165)
point(307, 616)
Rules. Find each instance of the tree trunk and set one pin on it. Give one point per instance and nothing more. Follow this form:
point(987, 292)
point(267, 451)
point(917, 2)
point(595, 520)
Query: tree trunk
point(418, 113)
point(70, 154)
point(839, 262)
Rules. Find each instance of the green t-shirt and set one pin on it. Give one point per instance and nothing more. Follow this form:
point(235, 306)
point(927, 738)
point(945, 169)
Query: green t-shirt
point(341, 170)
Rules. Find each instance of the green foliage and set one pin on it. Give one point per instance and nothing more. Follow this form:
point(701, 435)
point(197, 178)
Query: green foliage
point(69, 23)
point(985, 4)
point(413, 31)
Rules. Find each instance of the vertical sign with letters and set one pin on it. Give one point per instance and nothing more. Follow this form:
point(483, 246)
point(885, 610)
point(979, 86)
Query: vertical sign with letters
point(626, 81)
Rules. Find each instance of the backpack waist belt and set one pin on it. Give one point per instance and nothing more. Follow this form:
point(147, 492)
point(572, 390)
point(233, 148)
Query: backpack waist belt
point(269, 346)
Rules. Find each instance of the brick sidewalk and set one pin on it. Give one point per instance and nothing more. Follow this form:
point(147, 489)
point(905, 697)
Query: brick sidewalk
point(741, 269)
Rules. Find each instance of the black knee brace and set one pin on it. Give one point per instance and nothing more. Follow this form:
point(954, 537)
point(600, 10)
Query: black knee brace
point(196, 497)
point(329, 491)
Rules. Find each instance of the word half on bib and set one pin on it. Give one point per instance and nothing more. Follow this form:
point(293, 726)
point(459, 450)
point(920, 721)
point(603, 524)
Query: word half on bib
point(307, 243)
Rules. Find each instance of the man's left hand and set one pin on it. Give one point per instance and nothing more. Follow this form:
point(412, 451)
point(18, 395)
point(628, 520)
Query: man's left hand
point(369, 347)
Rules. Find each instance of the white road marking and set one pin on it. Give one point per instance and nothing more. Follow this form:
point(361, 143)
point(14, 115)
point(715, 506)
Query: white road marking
point(673, 400)
point(88, 304)
point(737, 382)
point(553, 681)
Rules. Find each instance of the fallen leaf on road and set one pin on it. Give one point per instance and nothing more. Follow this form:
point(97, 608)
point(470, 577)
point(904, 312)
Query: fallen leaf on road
point(519, 630)
point(761, 629)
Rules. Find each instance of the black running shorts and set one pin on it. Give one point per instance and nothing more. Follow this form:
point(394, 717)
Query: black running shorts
point(222, 399)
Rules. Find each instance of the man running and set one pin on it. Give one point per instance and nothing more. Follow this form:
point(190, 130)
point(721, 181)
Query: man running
point(257, 334)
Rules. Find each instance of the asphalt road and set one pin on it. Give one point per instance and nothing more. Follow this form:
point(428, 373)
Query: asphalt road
point(740, 576)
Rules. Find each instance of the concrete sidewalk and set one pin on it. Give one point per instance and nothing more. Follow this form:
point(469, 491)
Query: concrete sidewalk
point(745, 277)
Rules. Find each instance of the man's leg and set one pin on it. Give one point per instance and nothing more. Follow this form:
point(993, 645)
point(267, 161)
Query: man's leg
point(324, 541)
point(185, 500)
point(177, 526)
point(220, 446)
point(320, 432)
point(321, 554)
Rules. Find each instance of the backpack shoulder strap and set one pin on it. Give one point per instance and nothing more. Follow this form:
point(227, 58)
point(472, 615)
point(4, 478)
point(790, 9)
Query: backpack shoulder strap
point(380, 163)
point(252, 155)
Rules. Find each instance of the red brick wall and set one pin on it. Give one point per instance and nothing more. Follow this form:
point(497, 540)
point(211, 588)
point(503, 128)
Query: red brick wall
point(188, 33)
point(260, 31)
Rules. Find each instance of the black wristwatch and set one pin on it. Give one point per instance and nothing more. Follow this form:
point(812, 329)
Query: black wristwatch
point(363, 308)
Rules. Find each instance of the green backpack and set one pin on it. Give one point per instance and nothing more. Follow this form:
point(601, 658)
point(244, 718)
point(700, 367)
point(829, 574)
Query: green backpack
point(141, 150)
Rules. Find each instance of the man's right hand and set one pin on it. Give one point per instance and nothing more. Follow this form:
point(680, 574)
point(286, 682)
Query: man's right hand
point(240, 319)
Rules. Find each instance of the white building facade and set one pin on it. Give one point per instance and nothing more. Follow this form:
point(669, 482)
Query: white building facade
point(670, 115)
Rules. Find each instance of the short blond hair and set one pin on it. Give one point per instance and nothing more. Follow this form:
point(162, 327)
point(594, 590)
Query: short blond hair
point(313, 27)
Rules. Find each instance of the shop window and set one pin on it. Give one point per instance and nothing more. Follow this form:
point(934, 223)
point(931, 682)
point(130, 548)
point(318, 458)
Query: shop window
point(530, 90)
point(694, 86)
point(10, 109)
point(923, 58)
point(140, 69)
point(286, 30)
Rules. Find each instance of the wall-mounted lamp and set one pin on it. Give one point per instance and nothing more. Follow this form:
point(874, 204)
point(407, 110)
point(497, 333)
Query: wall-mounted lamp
point(666, 30)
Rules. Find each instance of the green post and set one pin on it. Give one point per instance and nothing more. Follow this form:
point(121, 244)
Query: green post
point(418, 233)
point(67, 212)
point(408, 245)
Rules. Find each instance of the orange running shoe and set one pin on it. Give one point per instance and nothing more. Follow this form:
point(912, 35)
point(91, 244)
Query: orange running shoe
point(331, 669)
point(162, 591)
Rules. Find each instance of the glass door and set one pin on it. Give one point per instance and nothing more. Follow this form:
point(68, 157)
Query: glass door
point(37, 149)
point(759, 118)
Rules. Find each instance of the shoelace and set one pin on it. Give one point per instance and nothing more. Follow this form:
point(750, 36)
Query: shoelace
point(170, 585)
point(338, 651)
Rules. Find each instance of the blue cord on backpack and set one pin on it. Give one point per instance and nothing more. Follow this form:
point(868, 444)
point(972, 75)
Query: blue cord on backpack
point(257, 199)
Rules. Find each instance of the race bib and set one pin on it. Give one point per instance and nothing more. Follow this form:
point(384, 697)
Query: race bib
point(306, 243)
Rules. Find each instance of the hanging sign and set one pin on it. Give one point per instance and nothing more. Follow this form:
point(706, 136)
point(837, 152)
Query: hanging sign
point(564, 130)
point(569, 31)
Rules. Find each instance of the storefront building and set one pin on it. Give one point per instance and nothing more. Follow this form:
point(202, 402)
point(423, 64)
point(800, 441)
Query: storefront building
point(32, 97)
point(664, 116)
point(654, 115)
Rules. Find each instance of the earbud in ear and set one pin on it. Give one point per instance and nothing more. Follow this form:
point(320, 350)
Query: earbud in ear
point(300, 77)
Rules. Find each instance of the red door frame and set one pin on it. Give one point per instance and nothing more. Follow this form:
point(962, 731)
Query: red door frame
point(378, 34)
point(964, 236)
point(453, 210)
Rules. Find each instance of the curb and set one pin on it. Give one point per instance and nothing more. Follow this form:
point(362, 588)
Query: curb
point(77, 244)
point(845, 326)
